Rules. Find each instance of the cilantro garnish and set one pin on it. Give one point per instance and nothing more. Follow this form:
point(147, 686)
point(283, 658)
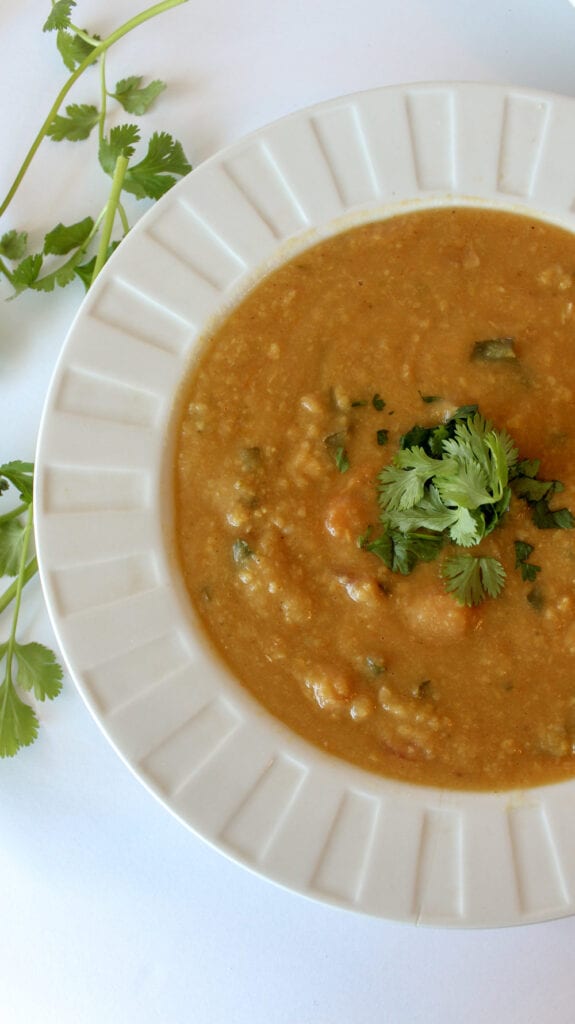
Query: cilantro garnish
point(528, 569)
point(470, 578)
point(452, 484)
point(336, 446)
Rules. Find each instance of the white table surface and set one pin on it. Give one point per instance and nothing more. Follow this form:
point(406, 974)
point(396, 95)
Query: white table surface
point(111, 912)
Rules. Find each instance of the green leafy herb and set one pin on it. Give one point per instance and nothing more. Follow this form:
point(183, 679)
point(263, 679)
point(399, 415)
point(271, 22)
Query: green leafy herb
point(341, 460)
point(382, 437)
point(135, 98)
point(73, 48)
point(453, 483)
point(76, 124)
point(528, 569)
point(378, 402)
point(121, 142)
point(429, 399)
point(59, 17)
point(13, 245)
point(336, 446)
point(401, 552)
point(156, 173)
point(30, 666)
point(62, 239)
point(464, 491)
point(470, 579)
point(538, 493)
point(147, 175)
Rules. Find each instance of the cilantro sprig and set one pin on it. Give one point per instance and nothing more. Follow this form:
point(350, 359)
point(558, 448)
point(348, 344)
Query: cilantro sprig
point(452, 484)
point(30, 667)
point(144, 170)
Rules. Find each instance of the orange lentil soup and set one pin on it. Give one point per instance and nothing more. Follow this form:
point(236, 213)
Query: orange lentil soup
point(292, 409)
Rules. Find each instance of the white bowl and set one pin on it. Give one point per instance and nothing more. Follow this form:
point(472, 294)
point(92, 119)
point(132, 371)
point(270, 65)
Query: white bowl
point(217, 760)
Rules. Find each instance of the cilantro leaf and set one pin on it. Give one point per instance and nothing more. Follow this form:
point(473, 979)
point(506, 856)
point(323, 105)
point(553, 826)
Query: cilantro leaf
point(154, 175)
point(522, 552)
point(79, 121)
point(11, 539)
point(38, 670)
point(401, 552)
point(537, 493)
point(471, 579)
point(85, 271)
point(122, 142)
point(134, 98)
point(13, 244)
point(61, 277)
point(27, 271)
point(18, 721)
point(466, 463)
point(549, 519)
point(402, 484)
point(72, 48)
point(62, 239)
point(59, 16)
point(21, 476)
point(455, 481)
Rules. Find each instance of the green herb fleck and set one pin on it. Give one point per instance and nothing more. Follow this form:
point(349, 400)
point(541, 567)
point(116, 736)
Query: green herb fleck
point(494, 350)
point(241, 551)
point(528, 569)
point(376, 668)
point(341, 460)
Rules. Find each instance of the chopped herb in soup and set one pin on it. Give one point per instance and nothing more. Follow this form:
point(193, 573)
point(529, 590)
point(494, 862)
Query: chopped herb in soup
point(375, 474)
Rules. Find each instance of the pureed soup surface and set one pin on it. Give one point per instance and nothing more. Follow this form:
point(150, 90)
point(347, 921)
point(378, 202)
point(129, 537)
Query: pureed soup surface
point(293, 408)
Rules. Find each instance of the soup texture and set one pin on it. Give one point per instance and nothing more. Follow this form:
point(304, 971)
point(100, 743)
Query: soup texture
point(416, 620)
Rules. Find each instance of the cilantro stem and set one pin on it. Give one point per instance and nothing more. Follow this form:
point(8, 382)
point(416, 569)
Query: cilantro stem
point(82, 34)
point(19, 586)
point(91, 58)
point(14, 513)
point(110, 215)
point(103, 99)
point(123, 218)
point(7, 273)
point(9, 594)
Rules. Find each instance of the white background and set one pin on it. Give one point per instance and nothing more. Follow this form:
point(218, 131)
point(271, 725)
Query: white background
point(110, 910)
